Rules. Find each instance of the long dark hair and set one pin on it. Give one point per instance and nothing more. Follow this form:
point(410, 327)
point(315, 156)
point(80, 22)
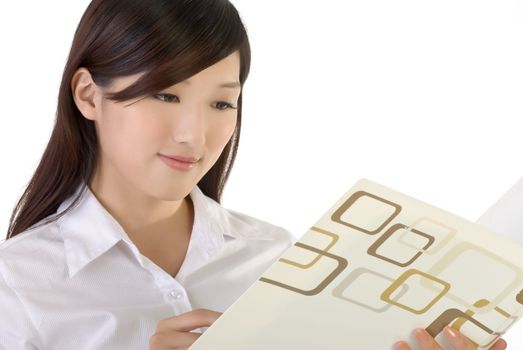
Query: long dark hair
point(169, 40)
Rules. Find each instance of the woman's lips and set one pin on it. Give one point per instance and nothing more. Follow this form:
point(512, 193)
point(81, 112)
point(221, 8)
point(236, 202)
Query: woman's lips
point(179, 162)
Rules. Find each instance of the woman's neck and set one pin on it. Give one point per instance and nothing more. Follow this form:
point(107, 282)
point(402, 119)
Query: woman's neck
point(138, 213)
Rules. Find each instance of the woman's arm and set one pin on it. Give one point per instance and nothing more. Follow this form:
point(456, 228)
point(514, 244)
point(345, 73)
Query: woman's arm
point(16, 329)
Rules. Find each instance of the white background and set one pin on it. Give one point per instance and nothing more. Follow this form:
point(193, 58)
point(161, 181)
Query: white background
point(421, 96)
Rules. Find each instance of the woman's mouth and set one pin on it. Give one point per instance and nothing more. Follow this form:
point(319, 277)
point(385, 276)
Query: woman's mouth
point(179, 162)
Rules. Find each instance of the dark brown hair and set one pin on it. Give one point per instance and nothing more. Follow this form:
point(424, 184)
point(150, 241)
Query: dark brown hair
point(169, 40)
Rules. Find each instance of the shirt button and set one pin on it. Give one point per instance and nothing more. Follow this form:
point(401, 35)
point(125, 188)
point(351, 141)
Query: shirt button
point(175, 294)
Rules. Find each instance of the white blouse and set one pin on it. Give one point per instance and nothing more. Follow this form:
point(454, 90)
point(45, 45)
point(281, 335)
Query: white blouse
point(81, 283)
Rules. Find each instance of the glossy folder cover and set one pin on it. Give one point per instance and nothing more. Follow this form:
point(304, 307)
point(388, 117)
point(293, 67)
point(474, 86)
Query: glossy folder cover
point(374, 267)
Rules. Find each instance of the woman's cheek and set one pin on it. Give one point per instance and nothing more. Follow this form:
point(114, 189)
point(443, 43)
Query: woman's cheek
point(226, 131)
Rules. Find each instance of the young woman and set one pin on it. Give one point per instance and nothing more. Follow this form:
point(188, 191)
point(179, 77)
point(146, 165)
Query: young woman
point(119, 240)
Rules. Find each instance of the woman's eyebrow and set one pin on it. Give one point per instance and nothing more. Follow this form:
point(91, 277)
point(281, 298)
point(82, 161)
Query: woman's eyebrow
point(232, 84)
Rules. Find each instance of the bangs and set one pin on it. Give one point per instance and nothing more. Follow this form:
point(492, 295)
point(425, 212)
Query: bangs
point(171, 41)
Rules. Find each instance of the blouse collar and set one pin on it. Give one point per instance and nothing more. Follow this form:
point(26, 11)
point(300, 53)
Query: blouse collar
point(89, 230)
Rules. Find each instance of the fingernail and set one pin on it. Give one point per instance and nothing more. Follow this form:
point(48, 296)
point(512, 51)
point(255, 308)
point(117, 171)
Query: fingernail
point(451, 332)
point(420, 334)
point(401, 345)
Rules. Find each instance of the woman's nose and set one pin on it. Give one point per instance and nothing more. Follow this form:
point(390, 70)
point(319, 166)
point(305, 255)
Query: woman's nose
point(189, 125)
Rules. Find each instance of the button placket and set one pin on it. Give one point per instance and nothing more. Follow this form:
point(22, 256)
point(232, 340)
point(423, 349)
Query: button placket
point(175, 294)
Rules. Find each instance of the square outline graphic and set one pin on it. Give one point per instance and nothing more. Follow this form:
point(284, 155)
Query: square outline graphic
point(375, 246)
point(442, 242)
point(335, 239)
point(482, 303)
point(449, 315)
point(337, 292)
point(403, 278)
point(336, 216)
point(452, 255)
point(342, 264)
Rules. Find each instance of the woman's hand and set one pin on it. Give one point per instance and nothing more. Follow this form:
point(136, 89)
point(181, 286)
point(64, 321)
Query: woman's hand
point(174, 332)
point(457, 340)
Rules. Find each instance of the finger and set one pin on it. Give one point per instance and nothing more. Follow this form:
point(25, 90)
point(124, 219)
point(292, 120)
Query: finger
point(188, 321)
point(172, 340)
point(401, 345)
point(457, 339)
point(501, 344)
point(425, 340)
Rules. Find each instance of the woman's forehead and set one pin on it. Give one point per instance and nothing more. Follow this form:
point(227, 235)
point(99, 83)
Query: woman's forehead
point(224, 73)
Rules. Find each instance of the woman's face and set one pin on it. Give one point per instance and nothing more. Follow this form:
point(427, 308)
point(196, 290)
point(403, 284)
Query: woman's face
point(192, 119)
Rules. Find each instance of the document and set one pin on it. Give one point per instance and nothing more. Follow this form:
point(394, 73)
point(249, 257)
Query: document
point(375, 266)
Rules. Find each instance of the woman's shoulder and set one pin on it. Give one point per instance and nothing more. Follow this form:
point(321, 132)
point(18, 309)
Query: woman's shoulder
point(22, 267)
point(30, 243)
point(234, 223)
point(248, 226)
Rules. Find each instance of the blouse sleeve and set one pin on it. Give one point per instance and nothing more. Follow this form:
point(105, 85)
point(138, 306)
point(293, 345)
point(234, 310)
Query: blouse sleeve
point(504, 216)
point(16, 330)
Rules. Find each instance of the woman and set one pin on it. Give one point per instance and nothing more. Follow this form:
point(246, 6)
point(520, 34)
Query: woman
point(119, 240)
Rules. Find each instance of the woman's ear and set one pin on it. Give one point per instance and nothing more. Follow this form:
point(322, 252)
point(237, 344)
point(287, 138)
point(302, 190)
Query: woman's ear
point(84, 92)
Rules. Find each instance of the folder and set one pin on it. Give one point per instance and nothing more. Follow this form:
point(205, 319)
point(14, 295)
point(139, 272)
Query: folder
point(375, 266)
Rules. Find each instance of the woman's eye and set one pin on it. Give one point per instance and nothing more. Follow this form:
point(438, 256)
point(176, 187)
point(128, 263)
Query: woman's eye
point(165, 97)
point(221, 105)
point(225, 106)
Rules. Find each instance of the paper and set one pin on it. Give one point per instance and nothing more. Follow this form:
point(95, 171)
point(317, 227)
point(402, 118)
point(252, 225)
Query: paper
point(375, 266)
